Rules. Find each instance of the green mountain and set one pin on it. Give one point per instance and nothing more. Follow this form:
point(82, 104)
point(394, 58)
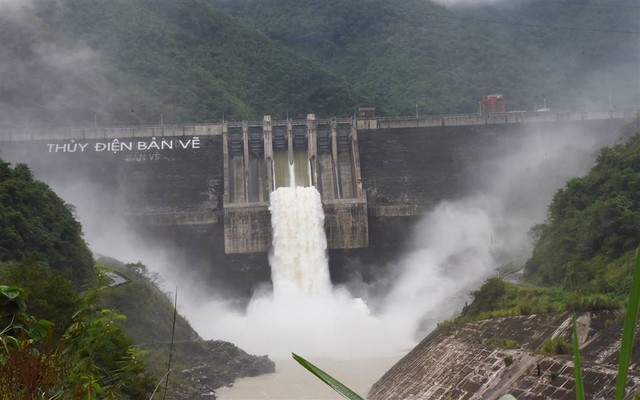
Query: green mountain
point(593, 222)
point(584, 252)
point(399, 54)
point(86, 62)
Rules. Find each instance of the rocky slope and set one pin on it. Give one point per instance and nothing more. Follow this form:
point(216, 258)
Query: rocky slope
point(201, 367)
point(490, 358)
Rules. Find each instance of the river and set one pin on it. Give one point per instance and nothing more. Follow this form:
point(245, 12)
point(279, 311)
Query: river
point(292, 381)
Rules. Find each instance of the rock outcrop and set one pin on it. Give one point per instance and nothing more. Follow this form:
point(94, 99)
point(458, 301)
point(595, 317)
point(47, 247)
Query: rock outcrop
point(201, 367)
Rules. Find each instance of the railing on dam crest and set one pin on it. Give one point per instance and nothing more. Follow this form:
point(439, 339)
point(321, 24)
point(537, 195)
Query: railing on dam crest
point(145, 131)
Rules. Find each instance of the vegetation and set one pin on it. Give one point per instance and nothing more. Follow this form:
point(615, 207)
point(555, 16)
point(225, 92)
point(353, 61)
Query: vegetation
point(508, 360)
point(149, 311)
point(584, 253)
point(328, 379)
point(92, 359)
point(54, 342)
point(399, 54)
point(628, 332)
point(505, 343)
point(556, 346)
point(592, 223)
point(122, 62)
point(125, 62)
point(49, 294)
point(35, 222)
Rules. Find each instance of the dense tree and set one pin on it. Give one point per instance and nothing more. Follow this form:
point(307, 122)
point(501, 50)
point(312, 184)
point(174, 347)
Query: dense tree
point(399, 54)
point(584, 253)
point(93, 359)
point(137, 61)
point(55, 343)
point(131, 61)
point(35, 221)
point(593, 220)
point(50, 295)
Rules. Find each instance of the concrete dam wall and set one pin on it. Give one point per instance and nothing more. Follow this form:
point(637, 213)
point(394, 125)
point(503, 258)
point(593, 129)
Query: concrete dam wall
point(257, 159)
point(207, 187)
point(220, 181)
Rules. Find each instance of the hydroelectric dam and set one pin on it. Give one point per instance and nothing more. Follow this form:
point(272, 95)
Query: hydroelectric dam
point(206, 187)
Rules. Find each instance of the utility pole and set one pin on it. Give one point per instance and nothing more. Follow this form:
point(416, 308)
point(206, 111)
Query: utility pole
point(416, 111)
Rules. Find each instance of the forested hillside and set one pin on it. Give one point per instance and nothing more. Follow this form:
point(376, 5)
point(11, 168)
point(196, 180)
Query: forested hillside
point(35, 223)
point(63, 334)
point(85, 62)
point(584, 252)
point(121, 62)
point(593, 222)
point(55, 342)
point(399, 54)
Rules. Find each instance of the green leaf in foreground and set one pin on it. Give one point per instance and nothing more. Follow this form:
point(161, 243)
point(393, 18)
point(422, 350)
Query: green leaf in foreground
point(629, 329)
point(577, 364)
point(328, 379)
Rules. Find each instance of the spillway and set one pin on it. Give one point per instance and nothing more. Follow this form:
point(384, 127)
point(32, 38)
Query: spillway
point(298, 260)
point(324, 154)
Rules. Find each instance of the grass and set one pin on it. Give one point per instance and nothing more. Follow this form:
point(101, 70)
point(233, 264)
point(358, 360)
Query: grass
point(328, 379)
point(556, 346)
point(629, 330)
point(577, 363)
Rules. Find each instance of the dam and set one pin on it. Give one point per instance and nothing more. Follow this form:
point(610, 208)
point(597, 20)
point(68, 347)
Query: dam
point(256, 161)
point(206, 187)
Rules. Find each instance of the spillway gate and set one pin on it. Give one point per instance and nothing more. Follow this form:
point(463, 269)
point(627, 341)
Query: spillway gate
point(324, 154)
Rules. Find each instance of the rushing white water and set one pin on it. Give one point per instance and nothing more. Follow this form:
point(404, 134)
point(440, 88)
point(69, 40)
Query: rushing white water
point(304, 312)
point(299, 260)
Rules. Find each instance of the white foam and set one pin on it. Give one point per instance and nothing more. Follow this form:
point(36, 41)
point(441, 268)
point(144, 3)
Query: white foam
point(299, 258)
point(304, 313)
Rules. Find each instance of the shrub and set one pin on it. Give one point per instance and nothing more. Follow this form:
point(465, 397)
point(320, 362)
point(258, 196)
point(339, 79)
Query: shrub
point(556, 346)
point(505, 343)
point(508, 360)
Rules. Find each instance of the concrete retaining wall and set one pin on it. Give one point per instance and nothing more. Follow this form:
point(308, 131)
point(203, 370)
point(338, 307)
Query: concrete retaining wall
point(346, 224)
point(247, 229)
point(467, 361)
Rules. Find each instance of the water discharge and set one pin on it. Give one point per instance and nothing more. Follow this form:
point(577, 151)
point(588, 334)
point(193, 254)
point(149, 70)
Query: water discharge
point(303, 312)
point(455, 247)
point(299, 262)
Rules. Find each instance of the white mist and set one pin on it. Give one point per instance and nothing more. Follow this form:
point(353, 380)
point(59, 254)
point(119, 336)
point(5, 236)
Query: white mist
point(303, 313)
